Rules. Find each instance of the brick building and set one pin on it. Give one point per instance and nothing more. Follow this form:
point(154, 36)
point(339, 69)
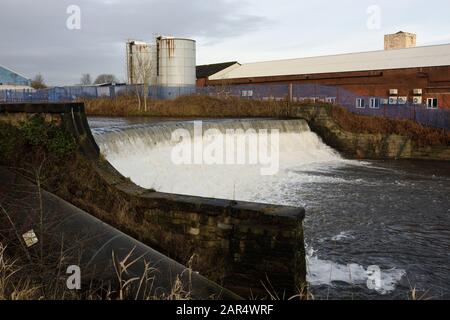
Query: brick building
point(419, 75)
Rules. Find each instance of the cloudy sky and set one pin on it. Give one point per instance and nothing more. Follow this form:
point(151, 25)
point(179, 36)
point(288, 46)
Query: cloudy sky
point(35, 37)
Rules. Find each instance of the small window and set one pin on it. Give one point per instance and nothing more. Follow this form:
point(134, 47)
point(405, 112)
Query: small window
point(360, 103)
point(432, 103)
point(331, 100)
point(247, 93)
point(374, 103)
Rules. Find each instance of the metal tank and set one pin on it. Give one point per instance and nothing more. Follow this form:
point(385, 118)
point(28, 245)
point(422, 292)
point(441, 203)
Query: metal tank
point(141, 54)
point(176, 66)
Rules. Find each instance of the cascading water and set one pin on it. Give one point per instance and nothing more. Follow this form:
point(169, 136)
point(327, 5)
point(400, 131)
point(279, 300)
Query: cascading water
point(361, 217)
point(144, 153)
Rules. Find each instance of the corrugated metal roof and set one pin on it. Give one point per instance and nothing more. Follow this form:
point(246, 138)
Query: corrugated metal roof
point(12, 71)
point(430, 56)
point(207, 70)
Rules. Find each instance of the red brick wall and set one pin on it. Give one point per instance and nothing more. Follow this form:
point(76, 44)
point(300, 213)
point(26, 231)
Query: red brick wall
point(434, 81)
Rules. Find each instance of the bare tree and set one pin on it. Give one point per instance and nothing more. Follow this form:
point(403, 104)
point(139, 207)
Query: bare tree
point(144, 74)
point(105, 78)
point(86, 79)
point(38, 82)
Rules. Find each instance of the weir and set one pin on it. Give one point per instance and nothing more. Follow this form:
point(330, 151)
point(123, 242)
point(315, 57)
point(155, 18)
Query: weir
point(239, 158)
point(245, 246)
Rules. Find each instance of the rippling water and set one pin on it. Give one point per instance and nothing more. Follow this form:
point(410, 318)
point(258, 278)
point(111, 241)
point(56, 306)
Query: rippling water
point(391, 214)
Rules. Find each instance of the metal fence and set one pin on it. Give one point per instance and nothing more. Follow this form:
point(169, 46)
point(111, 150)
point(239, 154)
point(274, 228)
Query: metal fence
point(74, 93)
point(371, 106)
point(364, 105)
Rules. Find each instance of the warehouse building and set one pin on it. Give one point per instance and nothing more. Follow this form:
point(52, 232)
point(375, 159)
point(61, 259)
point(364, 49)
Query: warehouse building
point(207, 70)
point(11, 79)
point(402, 73)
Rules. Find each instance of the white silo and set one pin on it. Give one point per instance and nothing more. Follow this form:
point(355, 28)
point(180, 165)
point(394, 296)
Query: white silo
point(176, 68)
point(142, 62)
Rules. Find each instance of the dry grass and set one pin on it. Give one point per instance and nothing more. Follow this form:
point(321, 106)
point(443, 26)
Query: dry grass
point(192, 106)
point(424, 136)
point(20, 283)
point(12, 285)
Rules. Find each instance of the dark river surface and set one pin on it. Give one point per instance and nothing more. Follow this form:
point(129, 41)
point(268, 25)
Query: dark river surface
point(386, 221)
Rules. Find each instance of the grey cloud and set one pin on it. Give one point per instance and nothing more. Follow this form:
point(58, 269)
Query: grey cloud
point(35, 38)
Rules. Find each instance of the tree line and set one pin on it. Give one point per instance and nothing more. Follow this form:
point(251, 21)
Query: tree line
point(38, 82)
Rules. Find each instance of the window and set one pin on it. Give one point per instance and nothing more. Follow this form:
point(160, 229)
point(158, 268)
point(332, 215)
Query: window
point(432, 103)
point(374, 103)
point(360, 103)
point(247, 93)
point(331, 100)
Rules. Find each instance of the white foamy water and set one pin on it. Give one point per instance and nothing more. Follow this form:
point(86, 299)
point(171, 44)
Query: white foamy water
point(144, 153)
point(323, 272)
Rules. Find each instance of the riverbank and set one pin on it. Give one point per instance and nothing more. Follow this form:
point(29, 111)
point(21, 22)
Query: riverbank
point(376, 138)
point(194, 106)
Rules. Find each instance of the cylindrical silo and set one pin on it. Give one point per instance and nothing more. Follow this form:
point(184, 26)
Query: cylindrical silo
point(141, 62)
point(176, 66)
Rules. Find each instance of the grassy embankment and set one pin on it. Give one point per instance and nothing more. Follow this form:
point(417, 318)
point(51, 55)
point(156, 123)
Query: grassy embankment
point(194, 106)
point(424, 136)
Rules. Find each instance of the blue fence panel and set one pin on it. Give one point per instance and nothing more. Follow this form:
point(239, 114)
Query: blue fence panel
point(379, 106)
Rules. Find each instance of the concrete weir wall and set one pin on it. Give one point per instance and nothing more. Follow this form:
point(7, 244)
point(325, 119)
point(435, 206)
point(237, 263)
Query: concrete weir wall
point(246, 244)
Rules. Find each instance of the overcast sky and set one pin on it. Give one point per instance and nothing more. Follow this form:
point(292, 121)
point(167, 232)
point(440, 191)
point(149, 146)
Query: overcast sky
point(34, 37)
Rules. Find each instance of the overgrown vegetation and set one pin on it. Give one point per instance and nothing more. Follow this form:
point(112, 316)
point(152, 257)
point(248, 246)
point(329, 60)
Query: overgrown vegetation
point(34, 136)
point(193, 106)
point(355, 123)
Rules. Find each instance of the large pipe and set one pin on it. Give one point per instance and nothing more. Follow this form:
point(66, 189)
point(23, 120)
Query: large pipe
point(91, 244)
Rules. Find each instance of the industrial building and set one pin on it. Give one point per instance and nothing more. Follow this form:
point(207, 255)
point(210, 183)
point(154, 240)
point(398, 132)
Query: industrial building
point(169, 64)
point(10, 79)
point(207, 70)
point(402, 73)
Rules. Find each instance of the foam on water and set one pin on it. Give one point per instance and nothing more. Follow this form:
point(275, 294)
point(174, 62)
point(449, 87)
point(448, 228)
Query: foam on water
point(324, 272)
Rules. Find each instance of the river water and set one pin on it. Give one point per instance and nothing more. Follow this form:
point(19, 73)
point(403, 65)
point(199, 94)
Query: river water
point(384, 221)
